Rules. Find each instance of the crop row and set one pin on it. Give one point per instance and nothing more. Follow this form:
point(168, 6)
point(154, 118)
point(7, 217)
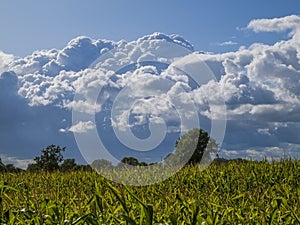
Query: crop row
point(230, 193)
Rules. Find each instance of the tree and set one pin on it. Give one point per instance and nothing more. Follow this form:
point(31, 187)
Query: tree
point(130, 161)
point(50, 159)
point(83, 168)
point(12, 169)
point(32, 167)
point(196, 140)
point(2, 166)
point(101, 164)
point(68, 165)
point(143, 164)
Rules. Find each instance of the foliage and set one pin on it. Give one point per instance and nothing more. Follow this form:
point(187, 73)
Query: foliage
point(197, 142)
point(235, 192)
point(50, 159)
point(83, 168)
point(9, 168)
point(32, 167)
point(12, 169)
point(68, 165)
point(132, 161)
point(2, 166)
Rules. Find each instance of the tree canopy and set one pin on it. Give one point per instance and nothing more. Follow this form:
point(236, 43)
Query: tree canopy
point(196, 140)
point(50, 158)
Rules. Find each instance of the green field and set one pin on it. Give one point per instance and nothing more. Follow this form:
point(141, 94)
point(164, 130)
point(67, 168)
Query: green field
point(229, 193)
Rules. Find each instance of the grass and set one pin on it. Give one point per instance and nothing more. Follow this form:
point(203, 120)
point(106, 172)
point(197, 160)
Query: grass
point(231, 193)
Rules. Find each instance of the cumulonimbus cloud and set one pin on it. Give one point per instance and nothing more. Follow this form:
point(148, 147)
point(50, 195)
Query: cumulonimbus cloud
point(259, 83)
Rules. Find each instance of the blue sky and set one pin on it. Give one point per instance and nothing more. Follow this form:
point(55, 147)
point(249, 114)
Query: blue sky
point(251, 47)
point(32, 25)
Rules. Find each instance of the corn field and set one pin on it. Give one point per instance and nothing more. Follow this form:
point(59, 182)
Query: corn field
point(230, 193)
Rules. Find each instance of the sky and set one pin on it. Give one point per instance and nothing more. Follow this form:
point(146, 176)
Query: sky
point(53, 59)
point(31, 25)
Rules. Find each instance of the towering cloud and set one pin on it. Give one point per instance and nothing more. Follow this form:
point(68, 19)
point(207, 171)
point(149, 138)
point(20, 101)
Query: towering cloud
point(259, 85)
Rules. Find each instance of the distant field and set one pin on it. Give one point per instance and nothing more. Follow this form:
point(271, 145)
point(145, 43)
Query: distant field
point(229, 193)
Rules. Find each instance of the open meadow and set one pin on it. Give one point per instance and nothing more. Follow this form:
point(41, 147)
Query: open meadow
point(236, 192)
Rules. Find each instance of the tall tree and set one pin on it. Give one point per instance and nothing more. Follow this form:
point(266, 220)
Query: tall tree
point(197, 141)
point(50, 159)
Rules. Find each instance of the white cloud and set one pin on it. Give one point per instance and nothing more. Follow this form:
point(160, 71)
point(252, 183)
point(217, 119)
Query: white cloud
point(5, 60)
point(270, 153)
point(275, 24)
point(226, 43)
point(83, 106)
point(170, 38)
point(81, 52)
point(81, 127)
point(259, 84)
point(19, 163)
point(77, 55)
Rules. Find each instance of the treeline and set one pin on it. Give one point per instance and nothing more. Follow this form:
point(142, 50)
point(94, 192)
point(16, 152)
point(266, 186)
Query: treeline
point(51, 158)
point(10, 168)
